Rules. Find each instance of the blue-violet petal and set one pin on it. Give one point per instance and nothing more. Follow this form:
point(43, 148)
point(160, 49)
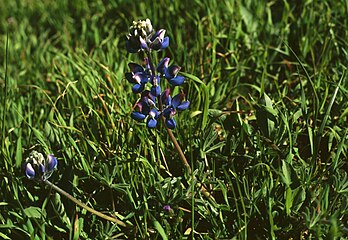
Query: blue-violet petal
point(29, 171)
point(171, 124)
point(151, 123)
point(138, 116)
point(177, 81)
point(138, 88)
point(52, 162)
point(183, 106)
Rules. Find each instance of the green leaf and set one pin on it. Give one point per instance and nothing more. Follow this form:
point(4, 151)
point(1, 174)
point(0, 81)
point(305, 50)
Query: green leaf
point(204, 87)
point(160, 230)
point(286, 176)
point(19, 151)
point(288, 200)
point(3, 236)
point(34, 212)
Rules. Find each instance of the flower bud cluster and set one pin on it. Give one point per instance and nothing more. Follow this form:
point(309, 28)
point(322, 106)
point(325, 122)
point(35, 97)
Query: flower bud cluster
point(39, 168)
point(142, 37)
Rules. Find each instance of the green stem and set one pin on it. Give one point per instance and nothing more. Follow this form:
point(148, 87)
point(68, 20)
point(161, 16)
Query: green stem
point(91, 210)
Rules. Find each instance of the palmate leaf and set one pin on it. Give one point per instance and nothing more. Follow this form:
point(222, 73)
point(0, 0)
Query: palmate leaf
point(34, 212)
point(58, 206)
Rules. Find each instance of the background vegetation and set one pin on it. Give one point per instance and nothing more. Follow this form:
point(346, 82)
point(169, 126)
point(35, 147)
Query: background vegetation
point(266, 131)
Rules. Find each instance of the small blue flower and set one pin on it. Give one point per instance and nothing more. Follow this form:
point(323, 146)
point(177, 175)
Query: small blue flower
point(155, 89)
point(178, 103)
point(170, 72)
point(152, 119)
point(142, 109)
point(146, 108)
point(51, 163)
point(155, 42)
point(138, 76)
point(166, 98)
point(172, 106)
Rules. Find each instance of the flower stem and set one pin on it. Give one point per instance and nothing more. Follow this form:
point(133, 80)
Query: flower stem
point(91, 210)
point(170, 133)
point(201, 187)
point(177, 146)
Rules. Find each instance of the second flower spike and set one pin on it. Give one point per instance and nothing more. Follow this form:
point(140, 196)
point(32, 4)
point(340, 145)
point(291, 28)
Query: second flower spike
point(39, 168)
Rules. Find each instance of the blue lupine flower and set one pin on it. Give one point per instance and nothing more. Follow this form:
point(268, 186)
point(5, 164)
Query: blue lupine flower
point(140, 113)
point(146, 108)
point(155, 42)
point(173, 105)
point(142, 37)
point(155, 89)
point(152, 119)
point(52, 162)
point(36, 167)
point(170, 72)
point(166, 98)
point(178, 103)
point(138, 76)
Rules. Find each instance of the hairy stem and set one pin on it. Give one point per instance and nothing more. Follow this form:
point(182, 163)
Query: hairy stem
point(91, 210)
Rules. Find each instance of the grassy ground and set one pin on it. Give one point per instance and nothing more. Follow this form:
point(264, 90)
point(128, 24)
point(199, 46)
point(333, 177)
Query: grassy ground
point(266, 132)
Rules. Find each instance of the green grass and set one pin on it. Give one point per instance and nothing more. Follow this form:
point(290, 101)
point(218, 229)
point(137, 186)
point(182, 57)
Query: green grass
point(266, 131)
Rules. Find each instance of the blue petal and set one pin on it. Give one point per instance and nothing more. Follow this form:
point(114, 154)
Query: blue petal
point(29, 171)
point(129, 77)
point(177, 81)
point(163, 65)
point(143, 43)
point(172, 71)
point(52, 162)
point(159, 34)
point(138, 88)
point(134, 67)
point(165, 43)
point(140, 77)
point(138, 116)
point(156, 44)
point(171, 124)
point(151, 123)
point(177, 99)
point(166, 98)
point(183, 106)
point(156, 91)
point(168, 112)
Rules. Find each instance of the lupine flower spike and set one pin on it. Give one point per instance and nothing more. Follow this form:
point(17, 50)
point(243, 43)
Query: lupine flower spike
point(142, 37)
point(39, 168)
